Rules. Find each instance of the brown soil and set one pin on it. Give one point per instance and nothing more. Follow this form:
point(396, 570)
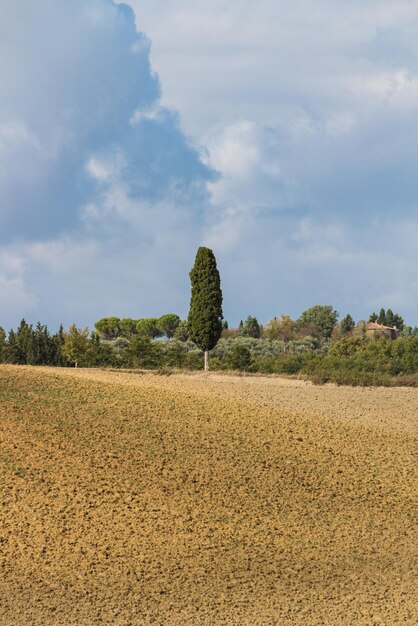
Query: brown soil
point(204, 500)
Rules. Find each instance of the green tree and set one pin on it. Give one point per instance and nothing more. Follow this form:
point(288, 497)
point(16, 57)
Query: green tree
point(99, 354)
point(76, 345)
point(321, 318)
point(24, 348)
point(382, 317)
point(251, 328)
point(42, 344)
point(347, 324)
point(182, 334)
point(12, 353)
point(108, 327)
point(127, 327)
point(167, 324)
point(143, 352)
point(205, 314)
point(398, 321)
point(148, 327)
point(239, 357)
point(57, 342)
point(389, 318)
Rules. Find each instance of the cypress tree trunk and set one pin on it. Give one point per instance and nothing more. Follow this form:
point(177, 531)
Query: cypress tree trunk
point(204, 322)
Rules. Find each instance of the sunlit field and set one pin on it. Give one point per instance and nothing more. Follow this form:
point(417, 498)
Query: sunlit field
point(136, 499)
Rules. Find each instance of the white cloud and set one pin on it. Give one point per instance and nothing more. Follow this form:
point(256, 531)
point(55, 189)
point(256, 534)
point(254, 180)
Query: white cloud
point(15, 135)
point(15, 295)
point(397, 89)
point(257, 61)
point(306, 110)
point(63, 256)
point(251, 177)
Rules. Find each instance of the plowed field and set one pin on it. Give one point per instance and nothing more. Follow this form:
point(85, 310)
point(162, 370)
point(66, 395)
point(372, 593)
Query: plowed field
point(133, 499)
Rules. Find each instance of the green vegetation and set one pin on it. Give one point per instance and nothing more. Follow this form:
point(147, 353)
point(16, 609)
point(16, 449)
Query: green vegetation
point(251, 328)
point(353, 359)
point(319, 320)
point(359, 361)
point(315, 346)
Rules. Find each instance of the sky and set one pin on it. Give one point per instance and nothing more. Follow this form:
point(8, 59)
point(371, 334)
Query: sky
point(283, 134)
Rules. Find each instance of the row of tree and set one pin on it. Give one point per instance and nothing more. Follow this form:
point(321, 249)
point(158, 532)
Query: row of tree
point(128, 342)
point(237, 348)
point(388, 318)
point(167, 325)
point(32, 346)
point(319, 321)
point(28, 345)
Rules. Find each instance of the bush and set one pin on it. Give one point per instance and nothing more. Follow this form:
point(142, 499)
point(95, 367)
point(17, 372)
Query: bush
point(174, 353)
point(194, 360)
point(239, 357)
point(145, 353)
point(360, 361)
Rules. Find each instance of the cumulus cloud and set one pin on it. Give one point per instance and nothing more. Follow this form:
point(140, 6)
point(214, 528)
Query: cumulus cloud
point(77, 91)
point(309, 117)
point(90, 162)
point(248, 159)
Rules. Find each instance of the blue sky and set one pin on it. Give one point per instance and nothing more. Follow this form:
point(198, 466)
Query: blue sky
point(283, 134)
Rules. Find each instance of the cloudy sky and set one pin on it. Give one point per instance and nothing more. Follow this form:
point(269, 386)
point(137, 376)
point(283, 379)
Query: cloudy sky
point(281, 133)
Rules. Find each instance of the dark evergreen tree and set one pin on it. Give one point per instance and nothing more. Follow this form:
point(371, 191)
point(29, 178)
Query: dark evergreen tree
point(24, 353)
point(347, 324)
point(42, 344)
point(252, 328)
point(398, 321)
point(389, 318)
point(205, 314)
point(57, 356)
point(12, 352)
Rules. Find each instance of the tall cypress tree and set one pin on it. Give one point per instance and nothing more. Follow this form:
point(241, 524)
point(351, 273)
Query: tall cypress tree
point(205, 316)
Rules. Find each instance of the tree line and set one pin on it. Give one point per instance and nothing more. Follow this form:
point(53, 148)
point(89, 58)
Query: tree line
point(282, 345)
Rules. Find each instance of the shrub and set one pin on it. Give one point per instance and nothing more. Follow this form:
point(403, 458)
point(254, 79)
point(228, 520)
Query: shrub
point(194, 360)
point(145, 353)
point(239, 357)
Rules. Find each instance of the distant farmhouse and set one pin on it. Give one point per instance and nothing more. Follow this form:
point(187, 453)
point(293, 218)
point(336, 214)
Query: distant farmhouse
point(374, 330)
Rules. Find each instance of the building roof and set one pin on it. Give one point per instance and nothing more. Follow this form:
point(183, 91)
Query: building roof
point(377, 326)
